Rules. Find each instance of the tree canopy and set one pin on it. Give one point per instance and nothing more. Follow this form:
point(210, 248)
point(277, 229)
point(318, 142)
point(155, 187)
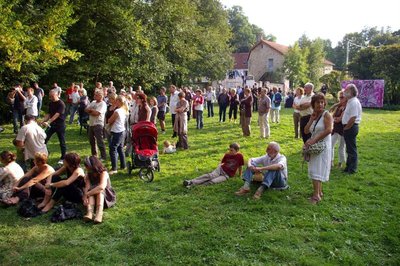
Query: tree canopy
point(144, 42)
point(244, 33)
point(32, 38)
point(304, 61)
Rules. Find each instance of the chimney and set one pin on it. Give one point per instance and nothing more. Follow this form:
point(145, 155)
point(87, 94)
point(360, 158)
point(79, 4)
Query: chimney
point(259, 37)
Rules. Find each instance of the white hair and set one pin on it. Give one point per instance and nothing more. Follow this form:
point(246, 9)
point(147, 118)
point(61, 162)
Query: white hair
point(352, 89)
point(274, 145)
point(309, 85)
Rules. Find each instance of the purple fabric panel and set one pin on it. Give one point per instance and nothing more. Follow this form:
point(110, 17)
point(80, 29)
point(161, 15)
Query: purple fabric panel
point(370, 92)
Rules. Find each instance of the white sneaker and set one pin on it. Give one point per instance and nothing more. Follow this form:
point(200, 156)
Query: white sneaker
point(113, 172)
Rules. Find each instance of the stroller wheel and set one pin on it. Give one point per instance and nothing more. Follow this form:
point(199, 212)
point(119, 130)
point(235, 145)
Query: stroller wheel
point(146, 174)
point(129, 167)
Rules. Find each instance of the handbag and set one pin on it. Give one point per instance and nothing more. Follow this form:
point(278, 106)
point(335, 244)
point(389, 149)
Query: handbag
point(258, 177)
point(315, 148)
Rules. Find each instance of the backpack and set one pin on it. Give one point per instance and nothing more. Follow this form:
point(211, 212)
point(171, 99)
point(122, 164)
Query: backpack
point(64, 212)
point(27, 209)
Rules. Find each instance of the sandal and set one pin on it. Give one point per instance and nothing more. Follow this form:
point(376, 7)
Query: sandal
point(314, 200)
point(257, 195)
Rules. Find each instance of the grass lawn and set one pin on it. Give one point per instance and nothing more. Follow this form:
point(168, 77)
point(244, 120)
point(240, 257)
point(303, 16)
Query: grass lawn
point(163, 223)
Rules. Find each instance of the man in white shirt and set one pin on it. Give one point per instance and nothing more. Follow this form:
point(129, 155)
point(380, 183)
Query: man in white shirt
point(210, 96)
point(75, 97)
point(30, 103)
point(97, 110)
point(32, 138)
point(351, 119)
point(173, 100)
point(306, 109)
point(273, 167)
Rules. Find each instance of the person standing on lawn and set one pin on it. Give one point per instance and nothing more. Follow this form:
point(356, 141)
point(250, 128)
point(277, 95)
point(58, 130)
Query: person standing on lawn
point(55, 122)
point(320, 127)
point(97, 110)
point(305, 109)
point(223, 102)
point(264, 107)
point(350, 120)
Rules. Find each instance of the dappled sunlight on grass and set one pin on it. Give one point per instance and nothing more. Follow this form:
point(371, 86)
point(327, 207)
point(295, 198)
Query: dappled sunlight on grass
point(164, 223)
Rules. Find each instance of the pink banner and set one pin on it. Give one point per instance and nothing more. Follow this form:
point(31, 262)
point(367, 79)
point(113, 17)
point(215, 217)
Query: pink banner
point(370, 92)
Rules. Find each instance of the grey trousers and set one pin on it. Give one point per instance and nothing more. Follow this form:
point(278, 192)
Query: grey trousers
point(96, 135)
point(216, 176)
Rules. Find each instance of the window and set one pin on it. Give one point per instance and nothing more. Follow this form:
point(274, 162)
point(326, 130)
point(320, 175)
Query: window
point(270, 65)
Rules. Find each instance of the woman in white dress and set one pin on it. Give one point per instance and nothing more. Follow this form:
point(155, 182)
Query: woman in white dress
point(320, 126)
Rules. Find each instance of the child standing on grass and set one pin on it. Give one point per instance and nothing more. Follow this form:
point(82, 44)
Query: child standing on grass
point(230, 163)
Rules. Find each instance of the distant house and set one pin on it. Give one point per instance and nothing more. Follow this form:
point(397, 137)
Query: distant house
point(328, 67)
point(266, 57)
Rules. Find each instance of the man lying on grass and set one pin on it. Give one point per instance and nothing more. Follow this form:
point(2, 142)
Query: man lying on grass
point(230, 163)
point(273, 166)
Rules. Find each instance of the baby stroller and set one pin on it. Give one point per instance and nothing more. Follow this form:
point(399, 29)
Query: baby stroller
point(144, 150)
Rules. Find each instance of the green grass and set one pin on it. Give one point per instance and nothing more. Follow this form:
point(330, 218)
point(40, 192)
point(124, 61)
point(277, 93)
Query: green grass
point(162, 223)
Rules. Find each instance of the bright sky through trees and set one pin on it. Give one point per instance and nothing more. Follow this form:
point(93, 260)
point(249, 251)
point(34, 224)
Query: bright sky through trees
point(289, 19)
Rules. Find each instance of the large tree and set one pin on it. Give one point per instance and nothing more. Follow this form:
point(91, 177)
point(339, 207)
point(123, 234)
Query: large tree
point(315, 60)
point(32, 38)
point(148, 42)
point(380, 63)
point(110, 38)
point(295, 66)
point(244, 33)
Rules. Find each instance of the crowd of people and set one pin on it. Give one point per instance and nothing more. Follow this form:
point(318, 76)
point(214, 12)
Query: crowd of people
point(110, 116)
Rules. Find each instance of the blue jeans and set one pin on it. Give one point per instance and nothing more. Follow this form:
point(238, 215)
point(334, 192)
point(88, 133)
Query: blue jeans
point(17, 117)
point(199, 119)
point(210, 109)
point(117, 149)
point(222, 112)
point(272, 179)
point(350, 137)
point(39, 107)
point(73, 109)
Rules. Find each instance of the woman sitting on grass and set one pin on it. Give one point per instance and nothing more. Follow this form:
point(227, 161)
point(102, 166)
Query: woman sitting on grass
point(31, 185)
point(9, 174)
point(98, 190)
point(70, 189)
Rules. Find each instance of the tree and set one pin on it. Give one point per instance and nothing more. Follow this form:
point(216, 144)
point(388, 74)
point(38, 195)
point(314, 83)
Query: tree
point(110, 37)
point(244, 33)
point(212, 42)
point(386, 65)
point(356, 40)
point(332, 81)
point(315, 60)
point(295, 66)
point(380, 63)
point(360, 67)
point(243, 37)
point(32, 38)
point(329, 51)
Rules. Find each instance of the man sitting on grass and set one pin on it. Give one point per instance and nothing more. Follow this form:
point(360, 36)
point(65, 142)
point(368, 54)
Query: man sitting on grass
point(273, 166)
point(230, 163)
